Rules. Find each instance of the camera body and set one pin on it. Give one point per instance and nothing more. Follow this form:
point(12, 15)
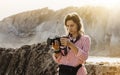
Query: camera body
point(52, 40)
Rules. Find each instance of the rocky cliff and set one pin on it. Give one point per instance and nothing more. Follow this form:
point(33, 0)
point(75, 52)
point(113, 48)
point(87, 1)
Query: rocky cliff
point(33, 59)
point(37, 59)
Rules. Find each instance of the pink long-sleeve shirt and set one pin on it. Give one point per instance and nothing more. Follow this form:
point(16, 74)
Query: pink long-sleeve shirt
point(72, 59)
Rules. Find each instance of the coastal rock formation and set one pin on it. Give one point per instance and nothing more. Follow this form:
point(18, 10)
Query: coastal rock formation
point(37, 59)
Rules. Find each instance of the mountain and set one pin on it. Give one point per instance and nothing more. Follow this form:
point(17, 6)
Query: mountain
point(32, 27)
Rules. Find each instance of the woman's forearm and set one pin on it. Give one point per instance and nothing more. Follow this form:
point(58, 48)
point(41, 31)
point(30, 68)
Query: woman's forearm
point(73, 47)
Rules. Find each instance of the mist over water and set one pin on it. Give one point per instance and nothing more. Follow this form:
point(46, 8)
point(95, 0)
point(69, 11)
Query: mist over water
point(101, 24)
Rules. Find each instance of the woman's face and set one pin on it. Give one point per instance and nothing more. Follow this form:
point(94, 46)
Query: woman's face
point(71, 27)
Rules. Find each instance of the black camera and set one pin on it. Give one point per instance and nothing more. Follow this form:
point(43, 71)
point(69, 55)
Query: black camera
point(52, 40)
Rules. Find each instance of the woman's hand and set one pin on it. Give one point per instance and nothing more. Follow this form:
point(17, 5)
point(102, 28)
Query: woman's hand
point(55, 45)
point(64, 41)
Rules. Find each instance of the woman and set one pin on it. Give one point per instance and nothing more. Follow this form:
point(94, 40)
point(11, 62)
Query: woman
point(73, 52)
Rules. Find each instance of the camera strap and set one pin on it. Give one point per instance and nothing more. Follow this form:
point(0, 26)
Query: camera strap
point(76, 39)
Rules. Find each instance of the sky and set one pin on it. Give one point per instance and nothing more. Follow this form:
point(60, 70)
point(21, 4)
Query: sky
point(11, 7)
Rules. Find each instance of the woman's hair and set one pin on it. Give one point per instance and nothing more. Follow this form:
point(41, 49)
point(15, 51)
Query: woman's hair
point(76, 19)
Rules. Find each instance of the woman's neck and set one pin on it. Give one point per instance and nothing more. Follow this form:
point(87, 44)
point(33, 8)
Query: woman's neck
point(75, 35)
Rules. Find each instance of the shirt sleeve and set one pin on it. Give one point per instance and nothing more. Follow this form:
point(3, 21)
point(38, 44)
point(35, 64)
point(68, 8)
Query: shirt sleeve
point(57, 60)
point(83, 52)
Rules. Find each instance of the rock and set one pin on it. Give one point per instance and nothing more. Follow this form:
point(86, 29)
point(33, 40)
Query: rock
point(96, 69)
point(37, 59)
point(28, 60)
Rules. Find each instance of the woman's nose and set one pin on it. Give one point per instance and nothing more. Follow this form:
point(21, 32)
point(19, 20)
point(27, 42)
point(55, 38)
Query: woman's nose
point(69, 28)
